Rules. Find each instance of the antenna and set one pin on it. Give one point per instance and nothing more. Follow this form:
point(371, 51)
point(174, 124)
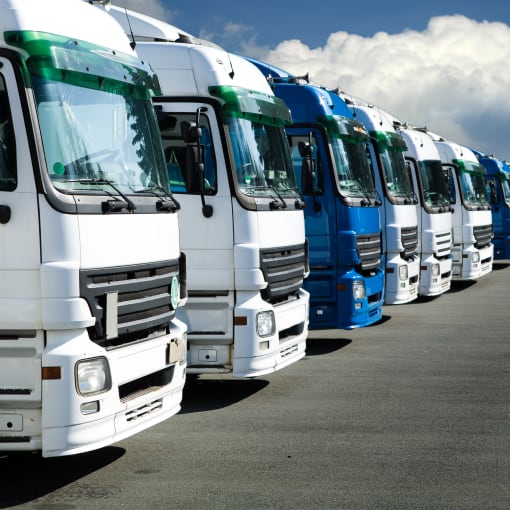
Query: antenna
point(133, 42)
point(232, 73)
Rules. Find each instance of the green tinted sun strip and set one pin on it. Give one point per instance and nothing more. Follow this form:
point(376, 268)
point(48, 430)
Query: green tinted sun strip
point(251, 105)
point(388, 140)
point(344, 128)
point(469, 167)
point(59, 58)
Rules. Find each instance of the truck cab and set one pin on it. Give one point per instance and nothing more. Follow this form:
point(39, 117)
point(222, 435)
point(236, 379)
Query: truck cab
point(91, 350)
point(434, 212)
point(473, 250)
point(242, 221)
point(399, 212)
point(497, 183)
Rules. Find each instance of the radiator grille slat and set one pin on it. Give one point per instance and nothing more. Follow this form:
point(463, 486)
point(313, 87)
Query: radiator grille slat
point(143, 298)
point(409, 236)
point(284, 270)
point(483, 235)
point(369, 251)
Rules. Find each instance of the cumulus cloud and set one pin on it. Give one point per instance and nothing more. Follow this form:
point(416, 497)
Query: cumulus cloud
point(451, 77)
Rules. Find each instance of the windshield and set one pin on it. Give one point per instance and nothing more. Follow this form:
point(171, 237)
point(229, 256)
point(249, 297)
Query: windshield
point(95, 114)
point(473, 189)
point(93, 135)
point(262, 159)
point(472, 183)
point(505, 185)
point(354, 174)
point(349, 139)
point(395, 172)
point(434, 186)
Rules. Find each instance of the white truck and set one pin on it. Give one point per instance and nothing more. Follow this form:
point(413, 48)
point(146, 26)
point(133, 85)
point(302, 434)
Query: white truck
point(434, 213)
point(91, 351)
point(399, 217)
point(241, 214)
point(473, 251)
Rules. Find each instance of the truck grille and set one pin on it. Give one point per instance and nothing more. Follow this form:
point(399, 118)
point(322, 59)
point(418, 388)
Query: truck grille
point(369, 251)
point(409, 236)
point(483, 235)
point(142, 300)
point(443, 244)
point(284, 270)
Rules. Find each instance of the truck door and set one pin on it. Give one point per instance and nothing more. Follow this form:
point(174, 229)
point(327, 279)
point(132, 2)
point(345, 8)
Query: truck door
point(20, 310)
point(205, 218)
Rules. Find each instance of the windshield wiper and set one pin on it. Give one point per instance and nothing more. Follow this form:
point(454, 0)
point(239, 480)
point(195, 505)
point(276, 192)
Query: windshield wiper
point(110, 205)
point(167, 203)
point(277, 204)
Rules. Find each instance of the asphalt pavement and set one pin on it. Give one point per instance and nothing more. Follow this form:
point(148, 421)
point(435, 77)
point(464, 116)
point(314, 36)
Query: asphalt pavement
point(412, 413)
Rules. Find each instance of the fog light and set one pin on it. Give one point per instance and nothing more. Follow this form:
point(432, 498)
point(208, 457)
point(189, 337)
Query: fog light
point(402, 273)
point(264, 346)
point(265, 324)
point(90, 407)
point(358, 289)
point(476, 257)
point(92, 376)
point(435, 269)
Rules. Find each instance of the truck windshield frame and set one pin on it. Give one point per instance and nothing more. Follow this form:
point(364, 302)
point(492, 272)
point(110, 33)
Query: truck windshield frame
point(433, 186)
point(505, 186)
point(349, 139)
point(395, 175)
point(95, 114)
point(471, 177)
point(262, 160)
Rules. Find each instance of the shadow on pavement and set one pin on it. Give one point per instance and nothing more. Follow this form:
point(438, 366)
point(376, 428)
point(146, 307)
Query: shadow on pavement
point(209, 394)
point(26, 477)
point(320, 346)
point(461, 286)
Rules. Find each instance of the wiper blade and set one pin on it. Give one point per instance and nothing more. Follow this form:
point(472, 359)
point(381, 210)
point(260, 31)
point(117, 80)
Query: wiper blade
point(110, 205)
point(168, 203)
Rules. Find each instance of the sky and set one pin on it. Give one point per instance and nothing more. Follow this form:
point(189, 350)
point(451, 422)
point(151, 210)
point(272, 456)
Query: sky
point(440, 64)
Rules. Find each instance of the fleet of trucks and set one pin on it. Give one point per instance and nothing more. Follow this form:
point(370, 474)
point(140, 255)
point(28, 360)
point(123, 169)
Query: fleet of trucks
point(434, 211)
point(399, 217)
point(242, 221)
point(170, 208)
point(90, 349)
point(497, 184)
point(472, 249)
point(342, 224)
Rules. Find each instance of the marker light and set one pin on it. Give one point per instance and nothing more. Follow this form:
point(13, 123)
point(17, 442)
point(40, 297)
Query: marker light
point(92, 376)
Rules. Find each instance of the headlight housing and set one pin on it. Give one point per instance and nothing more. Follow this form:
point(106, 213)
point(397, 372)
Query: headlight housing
point(358, 289)
point(435, 270)
point(265, 323)
point(476, 257)
point(402, 273)
point(92, 376)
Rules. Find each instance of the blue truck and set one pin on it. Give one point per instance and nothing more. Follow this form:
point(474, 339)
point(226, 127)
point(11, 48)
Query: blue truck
point(497, 183)
point(342, 222)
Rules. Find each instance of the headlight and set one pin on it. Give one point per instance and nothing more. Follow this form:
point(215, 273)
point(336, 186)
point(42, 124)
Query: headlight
point(358, 289)
point(435, 269)
point(265, 323)
point(476, 257)
point(93, 376)
point(402, 273)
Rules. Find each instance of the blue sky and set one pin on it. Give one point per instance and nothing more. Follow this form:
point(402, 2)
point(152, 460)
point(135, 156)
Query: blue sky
point(440, 64)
